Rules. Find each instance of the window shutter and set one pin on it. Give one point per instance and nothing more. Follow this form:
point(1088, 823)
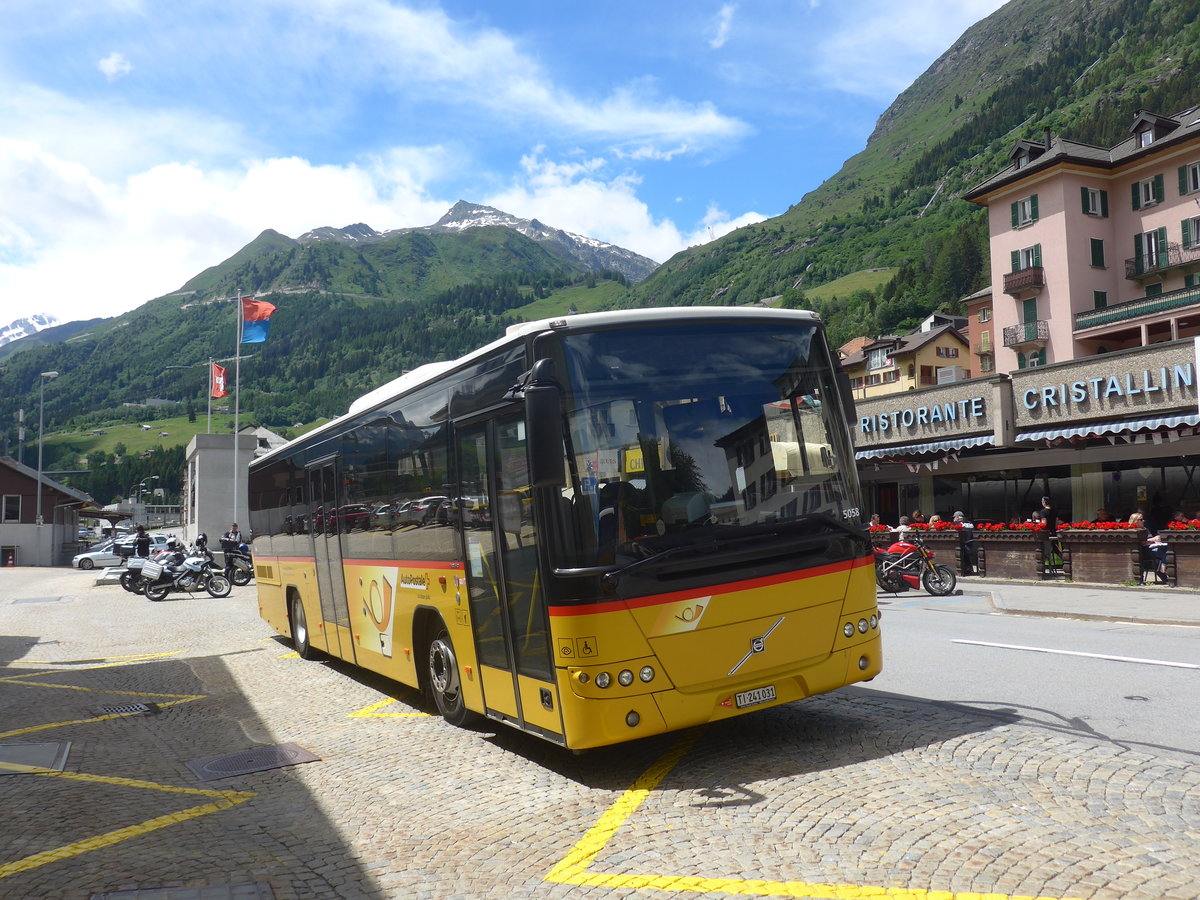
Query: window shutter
point(1020, 360)
point(1033, 212)
point(1098, 253)
point(1191, 281)
point(1139, 253)
point(1137, 196)
point(1015, 218)
point(1037, 255)
point(1186, 228)
point(1083, 199)
point(1016, 260)
point(1162, 246)
point(1104, 204)
point(1183, 184)
point(1160, 192)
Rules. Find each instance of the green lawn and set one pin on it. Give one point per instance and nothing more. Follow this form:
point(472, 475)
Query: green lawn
point(868, 279)
point(581, 299)
point(179, 431)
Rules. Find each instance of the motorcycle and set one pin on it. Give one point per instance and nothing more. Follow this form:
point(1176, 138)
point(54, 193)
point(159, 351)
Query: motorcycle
point(239, 564)
point(908, 563)
point(131, 579)
point(188, 573)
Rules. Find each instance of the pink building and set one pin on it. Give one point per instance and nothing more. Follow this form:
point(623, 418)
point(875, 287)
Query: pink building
point(1093, 249)
point(1085, 348)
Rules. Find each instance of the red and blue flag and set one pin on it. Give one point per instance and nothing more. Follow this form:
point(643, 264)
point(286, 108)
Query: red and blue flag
point(256, 320)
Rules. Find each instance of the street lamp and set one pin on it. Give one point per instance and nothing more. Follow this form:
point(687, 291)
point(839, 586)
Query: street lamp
point(41, 422)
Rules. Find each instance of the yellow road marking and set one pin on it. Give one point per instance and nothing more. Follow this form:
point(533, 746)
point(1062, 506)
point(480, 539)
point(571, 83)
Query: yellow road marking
point(573, 868)
point(104, 718)
point(223, 800)
point(369, 712)
point(292, 655)
point(82, 665)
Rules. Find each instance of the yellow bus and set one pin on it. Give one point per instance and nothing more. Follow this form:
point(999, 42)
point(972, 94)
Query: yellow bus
point(597, 528)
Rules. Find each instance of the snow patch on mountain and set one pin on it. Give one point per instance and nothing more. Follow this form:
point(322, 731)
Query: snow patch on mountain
point(14, 331)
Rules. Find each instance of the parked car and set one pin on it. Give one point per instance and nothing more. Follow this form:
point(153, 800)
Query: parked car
point(106, 554)
point(423, 511)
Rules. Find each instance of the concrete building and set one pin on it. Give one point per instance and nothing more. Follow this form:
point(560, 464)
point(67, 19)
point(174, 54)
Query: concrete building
point(216, 480)
point(1090, 332)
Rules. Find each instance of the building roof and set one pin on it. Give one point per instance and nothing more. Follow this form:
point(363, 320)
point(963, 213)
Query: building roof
point(906, 345)
point(32, 474)
point(1169, 132)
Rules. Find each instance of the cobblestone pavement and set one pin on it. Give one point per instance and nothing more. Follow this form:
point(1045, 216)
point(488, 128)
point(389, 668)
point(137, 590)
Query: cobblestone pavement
point(853, 795)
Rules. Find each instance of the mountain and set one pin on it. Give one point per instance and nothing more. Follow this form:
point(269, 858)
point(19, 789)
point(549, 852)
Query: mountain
point(50, 334)
point(591, 253)
point(1078, 68)
point(14, 331)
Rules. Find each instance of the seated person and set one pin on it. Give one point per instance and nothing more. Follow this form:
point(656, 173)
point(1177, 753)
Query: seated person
point(1102, 515)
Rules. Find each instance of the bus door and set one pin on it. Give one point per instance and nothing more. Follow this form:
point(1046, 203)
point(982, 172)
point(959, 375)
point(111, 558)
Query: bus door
point(327, 551)
point(506, 590)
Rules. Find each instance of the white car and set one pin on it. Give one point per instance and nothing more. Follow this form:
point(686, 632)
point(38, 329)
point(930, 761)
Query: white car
point(106, 554)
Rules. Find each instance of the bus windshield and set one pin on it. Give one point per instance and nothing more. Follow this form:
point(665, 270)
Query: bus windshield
point(682, 433)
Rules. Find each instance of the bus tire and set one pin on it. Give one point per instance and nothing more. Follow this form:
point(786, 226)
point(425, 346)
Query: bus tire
point(445, 683)
point(300, 630)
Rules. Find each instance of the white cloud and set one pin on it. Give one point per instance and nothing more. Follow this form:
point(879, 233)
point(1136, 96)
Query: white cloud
point(879, 47)
point(724, 23)
point(579, 197)
point(83, 247)
point(115, 66)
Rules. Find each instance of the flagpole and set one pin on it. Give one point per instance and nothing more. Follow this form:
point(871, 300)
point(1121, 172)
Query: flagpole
point(211, 387)
point(237, 396)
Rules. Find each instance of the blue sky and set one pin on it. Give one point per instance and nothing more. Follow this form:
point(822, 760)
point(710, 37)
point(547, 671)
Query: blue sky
point(142, 141)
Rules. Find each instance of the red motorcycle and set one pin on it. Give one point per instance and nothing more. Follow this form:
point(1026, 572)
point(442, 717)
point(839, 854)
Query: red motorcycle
point(908, 563)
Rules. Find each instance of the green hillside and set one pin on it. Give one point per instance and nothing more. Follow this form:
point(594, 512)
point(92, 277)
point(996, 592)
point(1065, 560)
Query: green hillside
point(1080, 68)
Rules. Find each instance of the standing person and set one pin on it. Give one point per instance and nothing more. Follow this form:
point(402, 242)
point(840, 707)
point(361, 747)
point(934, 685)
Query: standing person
point(966, 542)
point(141, 543)
point(1053, 549)
point(1049, 515)
point(232, 534)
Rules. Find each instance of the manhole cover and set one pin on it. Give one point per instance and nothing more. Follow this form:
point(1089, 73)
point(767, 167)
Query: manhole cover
point(36, 600)
point(42, 756)
point(130, 708)
point(257, 891)
point(257, 760)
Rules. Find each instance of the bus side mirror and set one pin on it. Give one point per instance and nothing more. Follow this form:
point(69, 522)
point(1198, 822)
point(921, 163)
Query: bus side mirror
point(543, 427)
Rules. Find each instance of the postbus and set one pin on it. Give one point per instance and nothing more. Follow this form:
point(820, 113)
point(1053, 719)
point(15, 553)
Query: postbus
point(598, 528)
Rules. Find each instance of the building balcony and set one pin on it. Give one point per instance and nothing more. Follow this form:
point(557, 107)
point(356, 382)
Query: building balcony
point(1027, 334)
point(1031, 279)
point(1147, 266)
point(1133, 309)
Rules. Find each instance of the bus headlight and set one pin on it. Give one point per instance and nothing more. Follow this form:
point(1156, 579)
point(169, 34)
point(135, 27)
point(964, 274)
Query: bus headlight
point(603, 680)
point(862, 626)
point(647, 674)
point(874, 621)
point(625, 678)
point(632, 718)
point(848, 629)
point(863, 662)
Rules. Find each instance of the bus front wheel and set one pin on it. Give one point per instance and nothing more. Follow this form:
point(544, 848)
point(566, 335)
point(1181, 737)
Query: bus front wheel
point(300, 631)
point(444, 681)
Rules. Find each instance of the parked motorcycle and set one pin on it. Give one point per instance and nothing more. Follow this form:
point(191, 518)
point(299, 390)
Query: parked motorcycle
point(187, 573)
point(131, 579)
point(908, 563)
point(239, 564)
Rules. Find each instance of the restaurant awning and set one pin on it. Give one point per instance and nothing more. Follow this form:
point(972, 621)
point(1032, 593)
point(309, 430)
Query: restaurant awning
point(946, 446)
point(1097, 429)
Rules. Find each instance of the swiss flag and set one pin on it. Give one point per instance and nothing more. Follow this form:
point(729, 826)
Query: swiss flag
point(218, 381)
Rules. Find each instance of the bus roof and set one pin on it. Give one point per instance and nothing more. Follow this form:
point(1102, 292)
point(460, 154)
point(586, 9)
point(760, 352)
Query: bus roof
point(431, 371)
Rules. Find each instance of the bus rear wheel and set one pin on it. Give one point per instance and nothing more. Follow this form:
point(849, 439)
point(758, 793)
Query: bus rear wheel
point(444, 681)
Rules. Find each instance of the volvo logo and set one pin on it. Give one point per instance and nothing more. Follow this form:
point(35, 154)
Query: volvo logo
point(757, 645)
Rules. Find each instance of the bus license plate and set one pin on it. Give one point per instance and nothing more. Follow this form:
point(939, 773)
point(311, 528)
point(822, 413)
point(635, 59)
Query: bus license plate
point(755, 697)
